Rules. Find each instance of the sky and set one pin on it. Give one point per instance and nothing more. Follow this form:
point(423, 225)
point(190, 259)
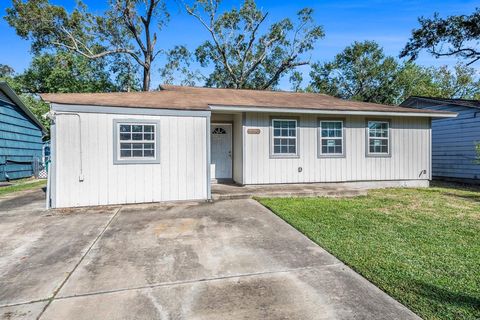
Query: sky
point(388, 22)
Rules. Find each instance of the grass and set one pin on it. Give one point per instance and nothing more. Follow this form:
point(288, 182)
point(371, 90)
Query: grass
point(421, 246)
point(21, 185)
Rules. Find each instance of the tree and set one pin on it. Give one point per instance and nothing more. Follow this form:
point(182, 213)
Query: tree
point(360, 72)
point(66, 72)
point(6, 71)
point(460, 83)
point(127, 28)
point(453, 36)
point(125, 72)
point(363, 72)
point(62, 71)
point(37, 106)
point(296, 79)
point(244, 57)
point(178, 68)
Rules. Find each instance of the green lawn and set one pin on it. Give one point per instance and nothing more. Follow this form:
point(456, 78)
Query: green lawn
point(23, 184)
point(421, 246)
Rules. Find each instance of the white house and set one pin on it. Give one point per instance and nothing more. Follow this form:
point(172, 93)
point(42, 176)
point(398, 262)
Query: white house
point(114, 148)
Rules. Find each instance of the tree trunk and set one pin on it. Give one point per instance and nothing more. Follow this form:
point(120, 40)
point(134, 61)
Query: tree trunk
point(146, 78)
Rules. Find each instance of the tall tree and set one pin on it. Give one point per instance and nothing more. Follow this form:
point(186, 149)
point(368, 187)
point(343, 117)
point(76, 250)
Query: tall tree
point(244, 57)
point(129, 27)
point(461, 82)
point(452, 36)
point(363, 72)
point(179, 68)
point(360, 72)
point(62, 71)
point(296, 79)
point(66, 72)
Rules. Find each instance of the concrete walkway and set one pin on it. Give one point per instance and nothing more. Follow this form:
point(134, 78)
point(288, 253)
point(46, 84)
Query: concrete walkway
point(227, 260)
point(231, 191)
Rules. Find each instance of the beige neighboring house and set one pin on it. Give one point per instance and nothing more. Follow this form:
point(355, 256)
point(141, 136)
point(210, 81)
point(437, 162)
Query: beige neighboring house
point(172, 144)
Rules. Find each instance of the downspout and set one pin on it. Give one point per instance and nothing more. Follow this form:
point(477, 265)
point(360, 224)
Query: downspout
point(48, 204)
point(209, 179)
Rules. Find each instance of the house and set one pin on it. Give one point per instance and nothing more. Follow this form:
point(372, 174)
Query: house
point(453, 140)
point(172, 144)
point(20, 136)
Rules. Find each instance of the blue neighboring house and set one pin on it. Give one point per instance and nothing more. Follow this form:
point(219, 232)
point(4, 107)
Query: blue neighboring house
point(20, 136)
point(453, 139)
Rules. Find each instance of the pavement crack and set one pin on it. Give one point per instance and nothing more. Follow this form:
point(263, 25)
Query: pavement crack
point(22, 303)
point(50, 300)
point(176, 283)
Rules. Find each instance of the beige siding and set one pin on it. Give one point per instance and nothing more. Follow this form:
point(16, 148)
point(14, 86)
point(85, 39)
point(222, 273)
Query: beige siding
point(181, 174)
point(410, 153)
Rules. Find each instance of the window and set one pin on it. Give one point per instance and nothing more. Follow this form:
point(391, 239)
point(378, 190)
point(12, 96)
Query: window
point(284, 135)
point(331, 138)
point(136, 142)
point(219, 131)
point(378, 137)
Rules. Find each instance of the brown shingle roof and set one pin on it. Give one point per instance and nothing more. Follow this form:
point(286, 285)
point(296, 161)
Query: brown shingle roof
point(196, 98)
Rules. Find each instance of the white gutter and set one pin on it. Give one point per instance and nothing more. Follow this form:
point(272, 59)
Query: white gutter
point(334, 112)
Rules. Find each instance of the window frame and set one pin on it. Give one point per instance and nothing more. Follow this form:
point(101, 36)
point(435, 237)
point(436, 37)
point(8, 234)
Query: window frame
point(116, 141)
point(368, 138)
point(274, 155)
point(320, 138)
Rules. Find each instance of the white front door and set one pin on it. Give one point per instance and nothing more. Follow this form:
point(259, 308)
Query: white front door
point(221, 147)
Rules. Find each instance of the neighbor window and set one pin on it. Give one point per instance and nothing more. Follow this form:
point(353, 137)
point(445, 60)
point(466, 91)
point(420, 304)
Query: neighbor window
point(378, 137)
point(331, 138)
point(284, 136)
point(136, 142)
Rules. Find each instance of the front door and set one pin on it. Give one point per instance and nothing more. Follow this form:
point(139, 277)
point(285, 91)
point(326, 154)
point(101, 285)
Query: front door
point(221, 157)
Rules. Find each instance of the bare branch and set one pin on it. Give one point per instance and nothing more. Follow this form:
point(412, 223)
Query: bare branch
point(253, 36)
point(214, 37)
point(473, 61)
point(261, 58)
point(100, 54)
point(284, 67)
point(469, 52)
point(126, 14)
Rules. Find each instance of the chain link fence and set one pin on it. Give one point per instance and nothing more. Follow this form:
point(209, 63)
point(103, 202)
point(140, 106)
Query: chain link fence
point(40, 168)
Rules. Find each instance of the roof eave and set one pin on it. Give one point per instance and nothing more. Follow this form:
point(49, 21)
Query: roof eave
point(333, 112)
point(14, 97)
point(438, 102)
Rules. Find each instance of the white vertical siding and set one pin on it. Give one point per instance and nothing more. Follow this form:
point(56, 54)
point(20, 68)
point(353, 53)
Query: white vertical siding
point(410, 145)
point(238, 148)
point(181, 174)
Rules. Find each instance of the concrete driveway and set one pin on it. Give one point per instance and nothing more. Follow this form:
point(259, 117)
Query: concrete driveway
point(227, 260)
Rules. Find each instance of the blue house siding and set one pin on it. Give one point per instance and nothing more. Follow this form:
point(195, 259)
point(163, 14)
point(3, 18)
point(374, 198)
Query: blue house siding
point(453, 142)
point(20, 141)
